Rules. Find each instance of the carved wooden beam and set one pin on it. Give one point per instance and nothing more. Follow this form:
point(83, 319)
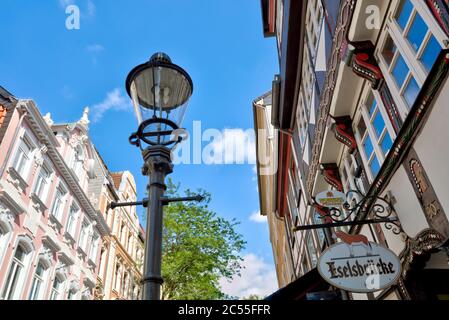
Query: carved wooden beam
point(331, 175)
point(344, 133)
point(364, 64)
point(441, 13)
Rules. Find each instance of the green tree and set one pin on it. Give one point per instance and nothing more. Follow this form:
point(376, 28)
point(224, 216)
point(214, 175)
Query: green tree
point(199, 248)
point(253, 297)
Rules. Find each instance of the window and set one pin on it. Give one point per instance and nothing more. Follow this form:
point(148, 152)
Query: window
point(4, 237)
point(123, 233)
point(23, 157)
point(375, 138)
point(313, 23)
point(56, 289)
point(94, 248)
point(130, 244)
point(410, 50)
point(17, 267)
point(38, 286)
point(118, 277)
point(42, 183)
point(72, 219)
point(311, 250)
point(400, 72)
point(320, 232)
point(83, 236)
point(71, 295)
point(301, 120)
point(58, 205)
point(304, 265)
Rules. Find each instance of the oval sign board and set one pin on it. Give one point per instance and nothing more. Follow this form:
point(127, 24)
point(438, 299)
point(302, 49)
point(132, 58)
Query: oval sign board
point(330, 198)
point(360, 267)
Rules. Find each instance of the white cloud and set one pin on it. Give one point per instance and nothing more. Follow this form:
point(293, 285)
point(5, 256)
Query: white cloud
point(258, 277)
point(91, 8)
point(67, 92)
point(65, 3)
point(236, 146)
point(95, 48)
point(258, 218)
point(115, 101)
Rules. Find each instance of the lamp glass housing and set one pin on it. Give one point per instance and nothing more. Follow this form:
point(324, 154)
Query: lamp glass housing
point(160, 90)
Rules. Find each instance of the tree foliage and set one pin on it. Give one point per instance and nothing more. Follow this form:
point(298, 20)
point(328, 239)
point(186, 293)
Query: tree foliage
point(199, 248)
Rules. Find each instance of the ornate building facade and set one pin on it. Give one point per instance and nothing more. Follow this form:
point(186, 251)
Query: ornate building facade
point(360, 105)
point(59, 240)
point(122, 255)
point(50, 234)
point(121, 260)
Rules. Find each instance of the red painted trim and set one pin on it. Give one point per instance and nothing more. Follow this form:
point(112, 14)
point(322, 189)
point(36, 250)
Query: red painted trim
point(437, 15)
point(284, 164)
point(272, 16)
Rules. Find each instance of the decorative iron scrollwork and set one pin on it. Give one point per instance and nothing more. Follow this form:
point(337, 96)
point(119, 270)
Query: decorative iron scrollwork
point(382, 208)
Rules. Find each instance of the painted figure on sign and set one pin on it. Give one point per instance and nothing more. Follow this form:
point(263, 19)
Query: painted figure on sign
point(354, 240)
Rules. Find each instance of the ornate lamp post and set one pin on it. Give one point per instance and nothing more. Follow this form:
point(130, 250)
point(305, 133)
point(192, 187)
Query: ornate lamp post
point(160, 91)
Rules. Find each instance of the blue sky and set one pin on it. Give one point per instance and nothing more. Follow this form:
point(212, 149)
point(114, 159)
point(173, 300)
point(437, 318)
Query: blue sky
point(219, 42)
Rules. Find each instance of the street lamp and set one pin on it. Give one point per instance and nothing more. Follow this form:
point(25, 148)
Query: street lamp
point(160, 91)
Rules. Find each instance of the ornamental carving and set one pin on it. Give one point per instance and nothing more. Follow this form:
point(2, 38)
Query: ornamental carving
point(332, 176)
point(432, 210)
point(344, 133)
point(418, 176)
point(419, 248)
point(6, 214)
point(46, 253)
point(39, 157)
point(77, 140)
point(441, 13)
point(364, 64)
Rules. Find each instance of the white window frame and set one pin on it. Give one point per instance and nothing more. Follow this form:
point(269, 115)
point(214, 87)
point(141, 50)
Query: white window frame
point(95, 243)
point(24, 139)
point(60, 190)
point(43, 194)
point(72, 230)
point(5, 236)
point(314, 17)
point(57, 293)
point(404, 49)
point(84, 236)
point(28, 248)
point(42, 279)
point(362, 114)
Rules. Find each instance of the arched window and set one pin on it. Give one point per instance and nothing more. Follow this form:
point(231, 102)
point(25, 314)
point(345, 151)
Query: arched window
point(39, 281)
point(56, 290)
point(15, 273)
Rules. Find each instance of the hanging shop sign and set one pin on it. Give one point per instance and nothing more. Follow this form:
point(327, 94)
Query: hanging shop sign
point(357, 265)
point(330, 199)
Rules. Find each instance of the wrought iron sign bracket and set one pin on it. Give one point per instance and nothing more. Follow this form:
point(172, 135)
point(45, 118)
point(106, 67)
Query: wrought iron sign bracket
point(344, 223)
point(337, 211)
